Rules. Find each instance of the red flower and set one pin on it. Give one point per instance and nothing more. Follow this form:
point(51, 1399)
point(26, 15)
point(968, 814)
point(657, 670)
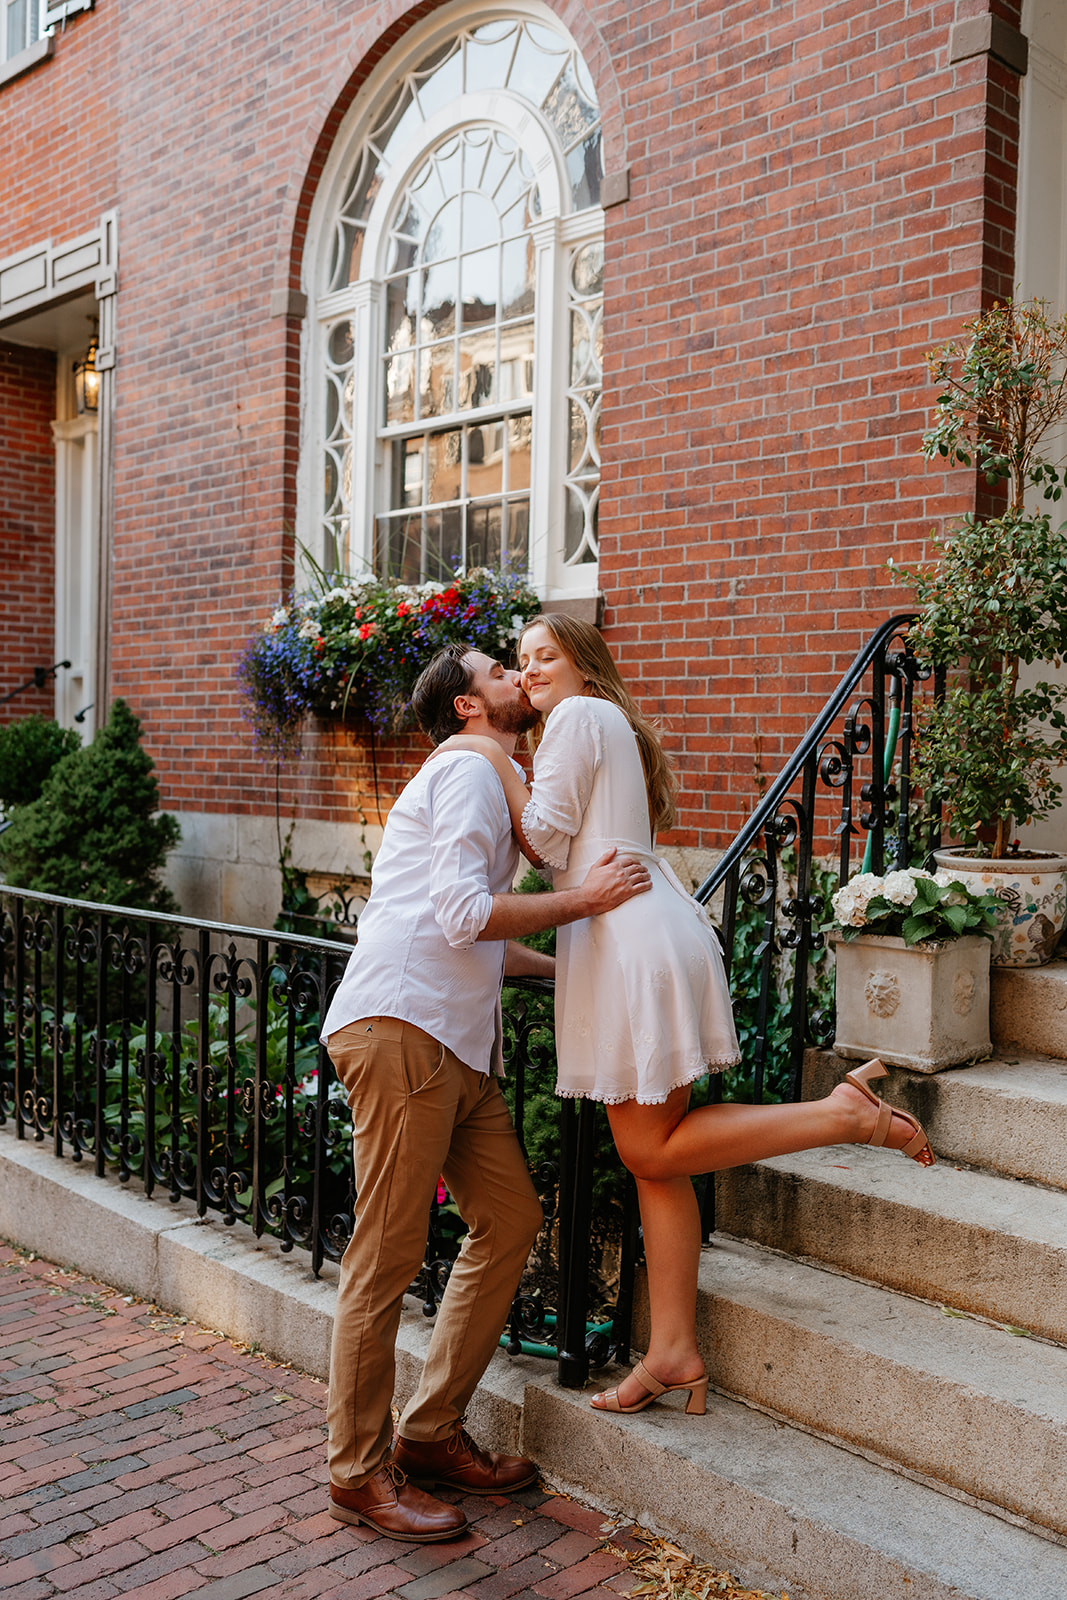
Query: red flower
point(403, 609)
point(367, 629)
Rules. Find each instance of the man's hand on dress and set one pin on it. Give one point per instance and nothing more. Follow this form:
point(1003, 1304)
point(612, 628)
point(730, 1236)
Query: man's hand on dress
point(612, 880)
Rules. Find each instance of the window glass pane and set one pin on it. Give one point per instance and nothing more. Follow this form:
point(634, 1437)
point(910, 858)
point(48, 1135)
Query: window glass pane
point(578, 435)
point(478, 285)
point(516, 361)
point(406, 465)
point(442, 236)
point(399, 548)
point(401, 297)
point(483, 535)
point(485, 460)
point(476, 146)
point(520, 433)
point(585, 346)
point(477, 369)
point(489, 52)
point(518, 550)
point(397, 126)
point(580, 531)
point(499, 162)
point(538, 59)
point(400, 388)
point(444, 543)
point(448, 164)
point(567, 108)
point(438, 301)
point(17, 26)
point(443, 83)
point(587, 269)
point(444, 479)
point(436, 385)
point(331, 479)
point(585, 169)
point(517, 263)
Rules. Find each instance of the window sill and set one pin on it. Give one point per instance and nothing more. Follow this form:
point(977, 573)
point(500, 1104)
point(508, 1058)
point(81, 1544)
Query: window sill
point(26, 59)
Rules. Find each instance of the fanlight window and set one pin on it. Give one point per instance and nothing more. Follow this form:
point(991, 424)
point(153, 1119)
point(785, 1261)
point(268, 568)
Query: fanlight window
point(460, 428)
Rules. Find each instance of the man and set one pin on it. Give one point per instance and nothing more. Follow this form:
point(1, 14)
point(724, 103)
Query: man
point(414, 1033)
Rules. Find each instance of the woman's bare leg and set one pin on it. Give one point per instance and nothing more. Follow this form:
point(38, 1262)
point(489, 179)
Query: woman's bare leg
point(665, 1141)
point(663, 1146)
point(670, 1221)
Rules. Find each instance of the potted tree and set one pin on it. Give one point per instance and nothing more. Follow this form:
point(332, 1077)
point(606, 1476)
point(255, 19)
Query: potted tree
point(992, 602)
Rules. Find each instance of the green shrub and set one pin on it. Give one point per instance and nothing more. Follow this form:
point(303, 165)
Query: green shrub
point(29, 749)
point(94, 832)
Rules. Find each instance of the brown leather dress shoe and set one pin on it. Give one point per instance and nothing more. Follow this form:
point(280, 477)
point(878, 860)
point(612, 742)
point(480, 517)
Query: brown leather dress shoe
point(396, 1508)
point(458, 1463)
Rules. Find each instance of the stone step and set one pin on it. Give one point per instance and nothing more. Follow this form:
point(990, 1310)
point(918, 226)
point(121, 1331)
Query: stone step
point(823, 1522)
point(1007, 1116)
point(774, 1504)
point(1028, 1008)
point(955, 1399)
point(970, 1240)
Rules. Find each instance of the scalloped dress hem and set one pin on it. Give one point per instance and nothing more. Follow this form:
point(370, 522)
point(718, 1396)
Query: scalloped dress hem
point(708, 1069)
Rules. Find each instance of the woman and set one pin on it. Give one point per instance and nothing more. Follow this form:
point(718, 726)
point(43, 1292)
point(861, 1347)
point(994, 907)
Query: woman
point(642, 1005)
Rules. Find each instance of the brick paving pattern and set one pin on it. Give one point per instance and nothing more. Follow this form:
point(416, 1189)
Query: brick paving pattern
point(145, 1457)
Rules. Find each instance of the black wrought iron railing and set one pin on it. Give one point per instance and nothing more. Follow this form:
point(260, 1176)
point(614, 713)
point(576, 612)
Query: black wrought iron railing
point(843, 801)
point(184, 1057)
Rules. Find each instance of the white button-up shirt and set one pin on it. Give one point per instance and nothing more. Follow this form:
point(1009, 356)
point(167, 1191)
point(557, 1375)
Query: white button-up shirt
point(446, 851)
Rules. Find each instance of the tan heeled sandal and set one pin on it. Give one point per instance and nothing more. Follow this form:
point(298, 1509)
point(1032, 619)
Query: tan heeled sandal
point(918, 1147)
point(695, 1405)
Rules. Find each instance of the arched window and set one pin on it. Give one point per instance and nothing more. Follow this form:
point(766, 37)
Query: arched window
point(455, 357)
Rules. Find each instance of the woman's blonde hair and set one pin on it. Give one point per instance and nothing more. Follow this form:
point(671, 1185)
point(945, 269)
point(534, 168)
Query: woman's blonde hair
point(583, 646)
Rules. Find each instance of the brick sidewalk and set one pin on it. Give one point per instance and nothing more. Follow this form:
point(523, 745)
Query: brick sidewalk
point(145, 1457)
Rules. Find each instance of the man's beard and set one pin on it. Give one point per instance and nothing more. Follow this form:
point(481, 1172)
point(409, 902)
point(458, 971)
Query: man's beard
point(517, 717)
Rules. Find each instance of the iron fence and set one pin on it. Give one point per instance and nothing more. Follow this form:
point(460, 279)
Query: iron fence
point(184, 1057)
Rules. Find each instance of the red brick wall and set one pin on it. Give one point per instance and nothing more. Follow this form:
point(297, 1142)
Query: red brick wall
point(817, 197)
point(27, 526)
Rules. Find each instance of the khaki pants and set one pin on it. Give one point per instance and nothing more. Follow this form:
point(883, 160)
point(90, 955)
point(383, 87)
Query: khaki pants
point(418, 1113)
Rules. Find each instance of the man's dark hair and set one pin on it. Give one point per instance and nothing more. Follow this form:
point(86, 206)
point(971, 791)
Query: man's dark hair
point(433, 697)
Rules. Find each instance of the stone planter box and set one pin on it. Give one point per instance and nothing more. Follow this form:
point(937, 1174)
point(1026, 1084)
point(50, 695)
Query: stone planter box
point(926, 1007)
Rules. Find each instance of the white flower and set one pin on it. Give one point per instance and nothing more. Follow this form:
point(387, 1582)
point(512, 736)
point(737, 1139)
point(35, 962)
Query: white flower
point(517, 624)
point(899, 887)
point(280, 618)
point(309, 628)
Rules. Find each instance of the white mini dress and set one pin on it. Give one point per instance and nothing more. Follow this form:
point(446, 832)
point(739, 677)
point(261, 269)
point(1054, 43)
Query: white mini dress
point(642, 1004)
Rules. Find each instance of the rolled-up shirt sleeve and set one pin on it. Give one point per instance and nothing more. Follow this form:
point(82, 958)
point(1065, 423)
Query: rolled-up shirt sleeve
point(565, 765)
point(467, 813)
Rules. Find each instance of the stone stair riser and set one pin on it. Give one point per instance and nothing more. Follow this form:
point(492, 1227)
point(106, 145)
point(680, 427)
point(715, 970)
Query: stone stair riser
point(938, 1258)
point(947, 1431)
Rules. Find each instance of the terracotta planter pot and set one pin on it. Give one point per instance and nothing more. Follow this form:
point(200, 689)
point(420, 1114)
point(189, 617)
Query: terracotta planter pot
point(925, 1006)
point(1034, 894)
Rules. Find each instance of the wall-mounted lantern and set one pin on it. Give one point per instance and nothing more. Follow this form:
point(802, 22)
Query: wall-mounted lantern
point(87, 379)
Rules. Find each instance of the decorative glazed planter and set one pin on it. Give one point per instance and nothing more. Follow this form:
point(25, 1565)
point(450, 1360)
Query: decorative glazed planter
point(924, 1006)
point(1034, 894)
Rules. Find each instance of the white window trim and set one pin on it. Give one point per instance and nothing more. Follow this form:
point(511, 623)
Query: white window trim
point(555, 235)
